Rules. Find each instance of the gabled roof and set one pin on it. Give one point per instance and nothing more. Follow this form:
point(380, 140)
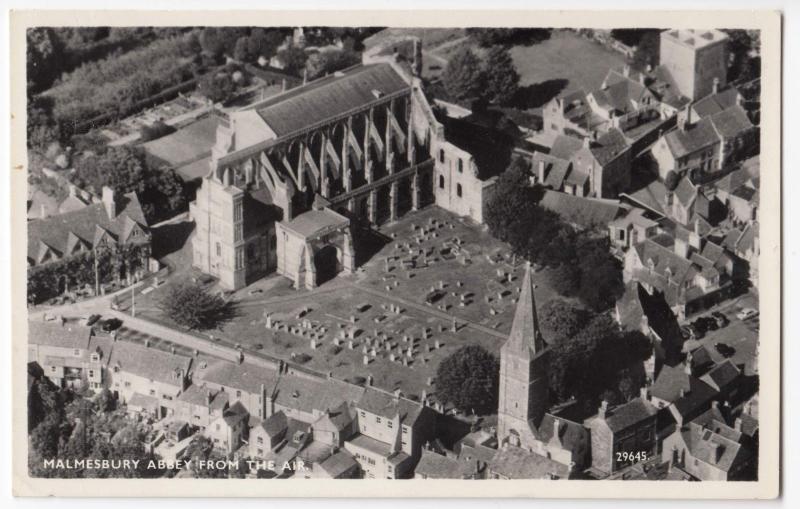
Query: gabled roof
point(525, 338)
point(580, 211)
point(695, 137)
point(53, 333)
point(715, 103)
point(336, 419)
point(686, 192)
point(686, 392)
point(88, 224)
point(150, 362)
point(731, 122)
point(275, 424)
point(555, 169)
point(722, 375)
point(626, 415)
point(329, 97)
point(339, 463)
point(438, 466)
point(235, 414)
point(712, 448)
point(517, 463)
point(387, 406)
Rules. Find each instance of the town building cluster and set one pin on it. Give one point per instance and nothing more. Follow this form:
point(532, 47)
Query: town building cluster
point(292, 176)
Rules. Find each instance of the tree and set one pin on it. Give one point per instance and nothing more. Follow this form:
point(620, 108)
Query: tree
point(463, 77)
point(217, 87)
point(502, 79)
point(671, 180)
point(745, 51)
point(508, 36)
point(468, 378)
point(121, 168)
point(241, 51)
point(326, 62)
point(647, 51)
point(154, 131)
point(508, 210)
point(561, 320)
point(263, 43)
point(45, 57)
point(202, 449)
point(601, 275)
point(294, 59)
point(193, 307)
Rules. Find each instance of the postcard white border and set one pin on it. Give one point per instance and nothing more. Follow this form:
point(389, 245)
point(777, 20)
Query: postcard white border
point(770, 24)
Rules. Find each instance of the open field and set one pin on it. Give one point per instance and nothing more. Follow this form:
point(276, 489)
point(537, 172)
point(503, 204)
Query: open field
point(338, 325)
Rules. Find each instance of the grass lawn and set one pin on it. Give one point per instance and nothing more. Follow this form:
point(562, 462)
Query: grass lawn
point(565, 56)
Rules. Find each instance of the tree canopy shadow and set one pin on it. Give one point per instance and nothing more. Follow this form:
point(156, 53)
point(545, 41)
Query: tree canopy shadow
point(538, 94)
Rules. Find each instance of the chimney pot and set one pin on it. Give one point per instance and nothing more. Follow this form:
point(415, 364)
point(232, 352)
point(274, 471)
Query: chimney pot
point(109, 201)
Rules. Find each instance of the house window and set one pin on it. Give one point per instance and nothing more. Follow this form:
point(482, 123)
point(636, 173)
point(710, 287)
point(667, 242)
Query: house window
point(76, 352)
point(441, 181)
point(378, 420)
point(460, 166)
point(238, 394)
point(389, 423)
point(52, 368)
point(363, 414)
point(152, 392)
point(260, 440)
point(219, 249)
point(458, 190)
point(91, 373)
point(441, 155)
point(405, 430)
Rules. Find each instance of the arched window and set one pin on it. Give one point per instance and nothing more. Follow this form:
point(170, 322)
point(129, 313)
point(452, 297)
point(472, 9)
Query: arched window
point(441, 181)
point(458, 190)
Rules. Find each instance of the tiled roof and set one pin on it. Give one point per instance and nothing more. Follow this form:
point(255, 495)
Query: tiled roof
point(711, 448)
point(564, 147)
point(54, 231)
point(330, 97)
point(275, 424)
point(307, 393)
point(149, 362)
point(376, 446)
point(674, 379)
point(715, 103)
point(438, 466)
point(53, 333)
point(245, 377)
point(556, 169)
point(609, 146)
point(731, 122)
point(624, 416)
point(235, 414)
point(339, 463)
point(722, 375)
point(585, 212)
point(516, 463)
point(336, 419)
point(693, 138)
point(685, 192)
point(572, 435)
point(143, 401)
point(387, 406)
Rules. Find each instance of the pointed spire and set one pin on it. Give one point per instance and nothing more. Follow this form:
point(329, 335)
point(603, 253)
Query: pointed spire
point(525, 333)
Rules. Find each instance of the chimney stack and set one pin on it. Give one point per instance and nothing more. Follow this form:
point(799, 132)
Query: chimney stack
point(716, 452)
point(603, 411)
point(540, 176)
point(109, 202)
point(737, 424)
point(643, 393)
point(626, 70)
point(715, 86)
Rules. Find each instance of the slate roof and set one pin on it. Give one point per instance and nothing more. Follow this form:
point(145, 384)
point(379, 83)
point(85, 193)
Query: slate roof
point(660, 250)
point(701, 444)
point(376, 446)
point(516, 463)
point(275, 424)
point(339, 464)
point(629, 414)
point(698, 136)
point(54, 231)
point(609, 146)
point(149, 362)
point(336, 419)
point(555, 169)
point(143, 401)
point(564, 147)
point(685, 192)
point(53, 333)
point(330, 97)
point(307, 393)
point(572, 435)
point(674, 379)
point(387, 406)
point(245, 377)
point(313, 221)
point(584, 212)
point(715, 103)
point(198, 395)
point(731, 122)
point(623, 95)
point(722, 375)
point(235, 414)
point(438, 466)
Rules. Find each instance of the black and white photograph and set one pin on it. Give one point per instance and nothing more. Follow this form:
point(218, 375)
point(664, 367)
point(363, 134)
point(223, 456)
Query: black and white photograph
point(476, 253)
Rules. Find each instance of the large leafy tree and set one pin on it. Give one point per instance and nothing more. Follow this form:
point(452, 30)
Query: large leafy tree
point(194, 307)
point(560, 320)
point(217, 87)
point(468, 378)
point(45, 54)
point(326, 62)
point(463, 77)
point(502, 78)
point(647, 51)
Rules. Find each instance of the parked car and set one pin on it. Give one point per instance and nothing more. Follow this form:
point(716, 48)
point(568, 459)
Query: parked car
point(725, 350)
point(111, 324)
point(720, 318)
point(92, 319)
point(746, 314)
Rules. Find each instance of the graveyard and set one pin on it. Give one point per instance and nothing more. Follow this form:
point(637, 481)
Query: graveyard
point(439, 283)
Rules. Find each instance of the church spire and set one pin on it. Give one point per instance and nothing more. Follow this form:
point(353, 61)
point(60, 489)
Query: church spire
point(525, 335)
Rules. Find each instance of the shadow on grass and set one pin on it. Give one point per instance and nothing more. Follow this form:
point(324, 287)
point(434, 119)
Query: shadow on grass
point(169, 238)
point(538, 94)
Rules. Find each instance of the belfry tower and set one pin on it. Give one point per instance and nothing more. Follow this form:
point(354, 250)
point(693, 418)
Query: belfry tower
point(523, 398)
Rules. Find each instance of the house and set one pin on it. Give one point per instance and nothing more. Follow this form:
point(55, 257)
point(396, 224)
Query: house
point(433, 465)
point(570, 115)
point(739, 192)
point(391, 433)
point(604, 159)
point(692, 273)
point(582, 213)
point(199, 405)
point(724, 378)
point(620, 434)
point(710, 451)
point(631, 226)
point(229, 430)
point(143, 370)
point(336, 425)
point(516, 463)
point(680, 392)
point(339, 465)
point(69, 354)
point(268, 434)
point(744, 245)
point(116, 225)
point(706, 145)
